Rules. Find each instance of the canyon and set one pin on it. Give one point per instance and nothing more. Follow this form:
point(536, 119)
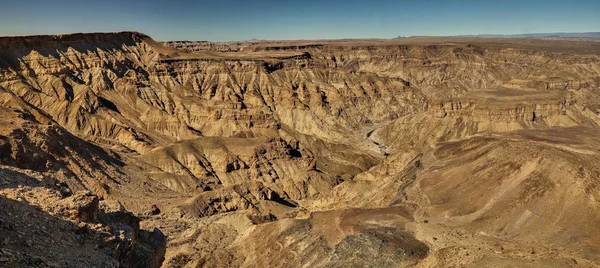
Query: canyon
point(418, 152)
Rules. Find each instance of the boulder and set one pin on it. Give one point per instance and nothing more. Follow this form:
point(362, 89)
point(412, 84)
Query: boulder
point(81, 206)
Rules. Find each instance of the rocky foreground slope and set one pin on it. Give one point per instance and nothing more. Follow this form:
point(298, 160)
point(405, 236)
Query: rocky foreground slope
point(429, 152)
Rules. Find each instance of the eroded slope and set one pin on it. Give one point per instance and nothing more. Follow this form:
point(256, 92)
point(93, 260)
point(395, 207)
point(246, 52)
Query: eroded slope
point(399, 153)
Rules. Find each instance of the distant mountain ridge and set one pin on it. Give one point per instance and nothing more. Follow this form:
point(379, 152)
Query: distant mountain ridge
point(531, 35)
point(540, 35)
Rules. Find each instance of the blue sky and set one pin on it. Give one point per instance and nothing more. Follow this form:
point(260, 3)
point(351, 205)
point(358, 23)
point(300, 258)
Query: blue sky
point(221, 20)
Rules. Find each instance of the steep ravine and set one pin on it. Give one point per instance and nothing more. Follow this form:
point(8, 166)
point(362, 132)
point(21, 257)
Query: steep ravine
point(317, 150)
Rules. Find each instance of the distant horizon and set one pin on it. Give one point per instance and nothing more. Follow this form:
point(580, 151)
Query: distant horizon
point(541, 34)
point(230, 20)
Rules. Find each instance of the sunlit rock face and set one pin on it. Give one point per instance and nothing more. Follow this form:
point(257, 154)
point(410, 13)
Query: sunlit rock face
point(415, 152)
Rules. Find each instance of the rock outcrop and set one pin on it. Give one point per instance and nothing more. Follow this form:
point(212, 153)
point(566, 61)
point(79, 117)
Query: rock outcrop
point(41, 228)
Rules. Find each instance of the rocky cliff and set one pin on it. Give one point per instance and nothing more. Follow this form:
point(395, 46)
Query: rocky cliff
point(317, 149)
